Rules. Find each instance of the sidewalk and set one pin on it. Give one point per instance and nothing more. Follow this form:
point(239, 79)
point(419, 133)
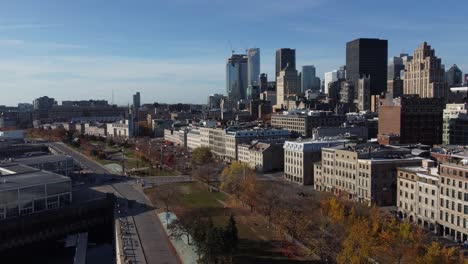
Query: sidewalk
point(186, 252)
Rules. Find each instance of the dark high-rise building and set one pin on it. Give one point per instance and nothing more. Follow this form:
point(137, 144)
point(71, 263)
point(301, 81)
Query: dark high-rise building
point(136, 101)
point(368, 57)
point(454, 76)
point(253, 58)
point(284, 57)
point(237, 77)
point(263, 82)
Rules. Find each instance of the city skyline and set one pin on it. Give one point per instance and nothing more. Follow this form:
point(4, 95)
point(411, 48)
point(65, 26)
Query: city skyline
point(68, 56)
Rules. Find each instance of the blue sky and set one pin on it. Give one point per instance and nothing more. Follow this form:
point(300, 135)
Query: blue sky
point(175, 50)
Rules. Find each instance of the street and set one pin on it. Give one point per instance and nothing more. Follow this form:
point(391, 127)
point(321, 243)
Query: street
point(155, 244)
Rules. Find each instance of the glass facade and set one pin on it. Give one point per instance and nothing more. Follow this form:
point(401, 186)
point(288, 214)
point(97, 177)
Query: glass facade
point(236, 77)
point(253, 58)
point(27, 200)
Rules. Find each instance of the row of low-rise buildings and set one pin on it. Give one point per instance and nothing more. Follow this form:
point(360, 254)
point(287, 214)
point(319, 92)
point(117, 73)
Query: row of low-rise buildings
point(116, 129)
point(302, 122)
point(436, 196)
point(230, 144)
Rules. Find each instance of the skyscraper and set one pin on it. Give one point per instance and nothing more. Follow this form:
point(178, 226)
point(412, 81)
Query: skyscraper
point(284, 57)
point(136, 101)
point(368, 57)
point(237, 77)
point(263, 82)
point(395, 73)
point(454, 76)
point(309, 81)
point(253, 57)
point(329, 78)
point(424, 75)
point(288, 84)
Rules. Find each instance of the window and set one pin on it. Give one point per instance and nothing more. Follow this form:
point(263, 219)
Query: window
point(465, 209)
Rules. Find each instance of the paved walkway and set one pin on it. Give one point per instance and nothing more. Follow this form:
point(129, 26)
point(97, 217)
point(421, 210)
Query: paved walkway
point(187, 253)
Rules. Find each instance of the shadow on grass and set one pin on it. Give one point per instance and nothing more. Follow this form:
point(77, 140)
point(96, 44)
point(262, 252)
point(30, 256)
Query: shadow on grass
point(259, 252)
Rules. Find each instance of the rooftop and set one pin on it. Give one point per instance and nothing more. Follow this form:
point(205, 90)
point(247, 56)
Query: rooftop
point(24, 176)
point(42, 159)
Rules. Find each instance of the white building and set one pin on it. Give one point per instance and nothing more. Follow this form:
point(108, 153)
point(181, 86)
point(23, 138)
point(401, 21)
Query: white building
point(300, 156)
point(330, 77)
point(193, 139)
point(119, 130)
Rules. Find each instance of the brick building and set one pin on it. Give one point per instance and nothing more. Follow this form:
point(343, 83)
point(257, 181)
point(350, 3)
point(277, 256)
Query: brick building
point(413, 119)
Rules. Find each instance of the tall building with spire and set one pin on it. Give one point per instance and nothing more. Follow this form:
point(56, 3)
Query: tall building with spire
point(253, 60)
point(424, 75)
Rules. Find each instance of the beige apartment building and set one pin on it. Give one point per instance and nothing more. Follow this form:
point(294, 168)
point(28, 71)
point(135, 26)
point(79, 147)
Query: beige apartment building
point(418, 194)
point(300, 156)
point(425, 75)
point(453, 214)
point(262, 156)
point(365, 173)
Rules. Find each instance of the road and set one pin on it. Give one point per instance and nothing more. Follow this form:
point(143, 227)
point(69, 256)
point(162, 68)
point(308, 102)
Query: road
point(155, 244)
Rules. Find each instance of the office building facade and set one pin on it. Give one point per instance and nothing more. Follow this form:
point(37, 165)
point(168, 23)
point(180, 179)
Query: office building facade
point(285, 57)
point(237, 77)
point(368, 57)
point(455, 127)
point(454, 76)
point(253, 60)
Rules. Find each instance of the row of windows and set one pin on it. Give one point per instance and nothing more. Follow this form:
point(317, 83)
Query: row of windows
point(453, 182)
point(460, 222)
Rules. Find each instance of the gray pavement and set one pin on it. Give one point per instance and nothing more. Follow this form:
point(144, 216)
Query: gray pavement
point(154, 242)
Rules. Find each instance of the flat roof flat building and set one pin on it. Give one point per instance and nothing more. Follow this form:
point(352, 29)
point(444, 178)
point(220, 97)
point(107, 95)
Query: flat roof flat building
point(25, 190)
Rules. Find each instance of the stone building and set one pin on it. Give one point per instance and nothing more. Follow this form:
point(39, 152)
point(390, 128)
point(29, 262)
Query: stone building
point(365, 173)
point(425, 74)
point(300, 156)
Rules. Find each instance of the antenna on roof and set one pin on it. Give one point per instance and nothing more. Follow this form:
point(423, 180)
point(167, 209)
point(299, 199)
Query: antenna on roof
point(230, 45)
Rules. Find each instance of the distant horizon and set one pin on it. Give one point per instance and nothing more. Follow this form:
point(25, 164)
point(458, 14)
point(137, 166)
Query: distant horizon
point(175, 51)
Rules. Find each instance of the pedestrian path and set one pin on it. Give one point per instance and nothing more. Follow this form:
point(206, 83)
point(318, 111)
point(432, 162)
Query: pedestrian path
point(186, 252)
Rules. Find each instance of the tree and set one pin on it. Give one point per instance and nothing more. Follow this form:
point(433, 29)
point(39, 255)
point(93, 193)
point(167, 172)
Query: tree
point(268, 199)
point(181, 227)
point(436, 254)
point(231, 234)
point(249, 192)
point(233, 176)
point(399, 240)
point(201, 156)
point(359, 246)
point(168, 195)
point(204, 174)
point(336, 210)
